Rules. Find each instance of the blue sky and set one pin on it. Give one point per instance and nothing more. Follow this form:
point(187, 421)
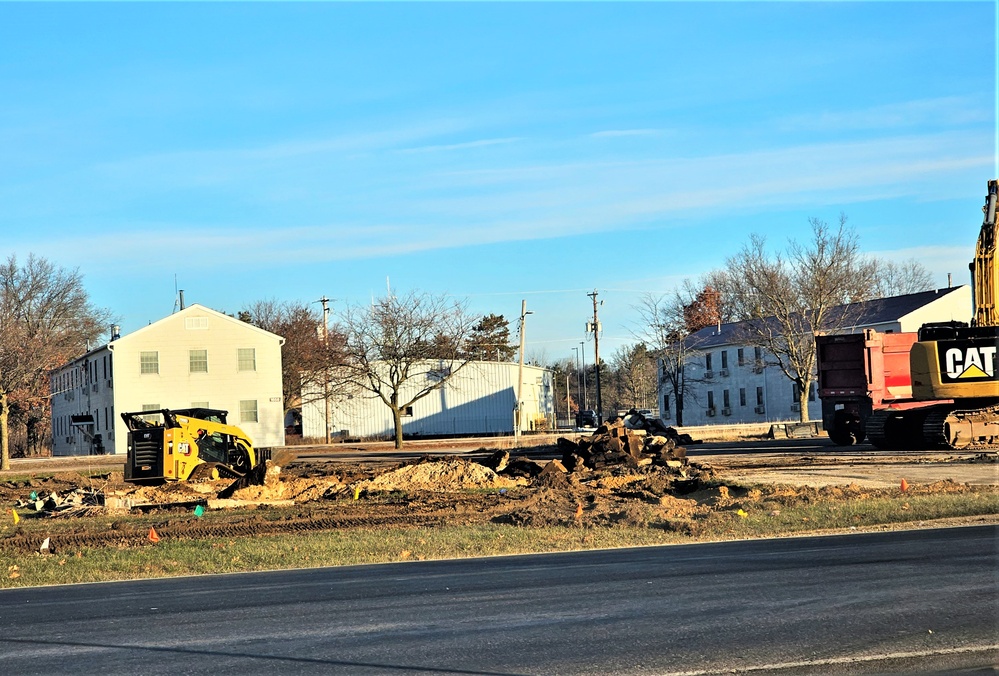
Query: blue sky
point(496, 152)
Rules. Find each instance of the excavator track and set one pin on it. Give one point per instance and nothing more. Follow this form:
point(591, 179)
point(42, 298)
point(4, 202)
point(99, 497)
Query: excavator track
point(897, 429)
point(939, 427)
point(974, 429)
point(213, 470)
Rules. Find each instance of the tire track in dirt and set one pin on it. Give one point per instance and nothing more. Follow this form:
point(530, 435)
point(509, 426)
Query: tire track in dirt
point(137, 537)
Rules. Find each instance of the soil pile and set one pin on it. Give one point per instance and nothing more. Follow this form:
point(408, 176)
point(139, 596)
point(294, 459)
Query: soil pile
point(438, 476)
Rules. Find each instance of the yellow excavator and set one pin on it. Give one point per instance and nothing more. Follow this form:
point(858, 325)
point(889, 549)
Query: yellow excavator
point(953, 364)
point(187, 445)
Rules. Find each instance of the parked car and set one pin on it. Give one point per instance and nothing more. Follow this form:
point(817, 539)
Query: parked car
point(586, 419)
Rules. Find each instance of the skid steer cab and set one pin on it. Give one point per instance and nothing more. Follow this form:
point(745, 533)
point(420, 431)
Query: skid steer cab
point(186, 445)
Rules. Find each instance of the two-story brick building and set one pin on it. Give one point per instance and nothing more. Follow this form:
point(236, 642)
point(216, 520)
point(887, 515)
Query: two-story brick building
point(195, 357)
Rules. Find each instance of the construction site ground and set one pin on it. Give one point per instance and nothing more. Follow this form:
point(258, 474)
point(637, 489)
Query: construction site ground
point(324, 488)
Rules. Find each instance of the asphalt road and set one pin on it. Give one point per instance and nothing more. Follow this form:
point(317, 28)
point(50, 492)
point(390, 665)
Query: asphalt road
point(899, 602)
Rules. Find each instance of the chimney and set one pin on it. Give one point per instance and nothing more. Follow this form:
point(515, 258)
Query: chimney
point(181, 292)
point(949, 284)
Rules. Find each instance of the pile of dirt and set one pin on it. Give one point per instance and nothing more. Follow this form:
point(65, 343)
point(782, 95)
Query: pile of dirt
point(453, 474)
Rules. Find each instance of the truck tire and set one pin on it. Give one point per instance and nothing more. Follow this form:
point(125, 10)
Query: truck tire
point(841, 438)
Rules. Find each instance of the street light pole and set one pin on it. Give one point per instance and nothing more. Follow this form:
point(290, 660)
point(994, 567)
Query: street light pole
point(520, 375)
point(326, 375)
point(579, 385)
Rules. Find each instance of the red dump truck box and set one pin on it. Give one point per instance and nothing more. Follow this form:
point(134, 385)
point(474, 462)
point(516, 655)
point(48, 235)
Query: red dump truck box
point(868, 364)
point(860, 373)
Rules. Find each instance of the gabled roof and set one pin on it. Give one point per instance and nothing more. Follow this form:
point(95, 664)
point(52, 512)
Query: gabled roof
point(876, 311)
point(195, 308)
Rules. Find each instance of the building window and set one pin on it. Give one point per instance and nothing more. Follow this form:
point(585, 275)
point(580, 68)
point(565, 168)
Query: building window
point(150, 407)
point(247, 358)
point(742, 396)
point(198, 360)
point(196, 323)
point(149, 362)
point(711, 399)
point(725, 398)
point(724, 359)
point(707, 361)
point(759, 396)
point(407, 412)
point(248, 411)
point(200, 404)
point(742, 357)
point(811, 392)
point(758, 354)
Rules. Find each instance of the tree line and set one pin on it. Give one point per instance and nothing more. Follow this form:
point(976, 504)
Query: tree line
point(781, 297)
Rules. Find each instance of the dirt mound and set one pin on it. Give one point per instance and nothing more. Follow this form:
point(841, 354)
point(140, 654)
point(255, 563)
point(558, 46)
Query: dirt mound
point(438, 476)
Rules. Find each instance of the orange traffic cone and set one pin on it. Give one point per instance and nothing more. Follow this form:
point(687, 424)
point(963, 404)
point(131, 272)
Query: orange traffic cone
point(153, 535)
point(904, 485)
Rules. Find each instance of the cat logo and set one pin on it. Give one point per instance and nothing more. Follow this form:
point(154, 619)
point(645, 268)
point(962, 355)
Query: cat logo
point(969, 362)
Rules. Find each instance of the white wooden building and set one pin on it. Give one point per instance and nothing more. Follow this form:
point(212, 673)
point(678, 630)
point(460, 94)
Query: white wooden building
point(729, 382)
point(480, 398)
point(196, 357)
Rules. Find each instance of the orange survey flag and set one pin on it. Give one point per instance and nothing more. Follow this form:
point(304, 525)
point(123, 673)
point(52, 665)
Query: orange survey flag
point(153, 535)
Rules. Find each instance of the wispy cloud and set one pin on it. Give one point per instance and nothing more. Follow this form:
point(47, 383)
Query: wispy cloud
point(462, 146)
point(614, 133)
point(272, 203)
point(935, 113)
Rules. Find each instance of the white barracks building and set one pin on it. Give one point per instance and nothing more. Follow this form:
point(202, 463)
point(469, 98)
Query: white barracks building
point(196, 357)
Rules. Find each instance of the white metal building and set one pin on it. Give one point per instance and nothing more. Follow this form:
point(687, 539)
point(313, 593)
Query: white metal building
point(730, 383)
point(479, 398)
point(194, 357)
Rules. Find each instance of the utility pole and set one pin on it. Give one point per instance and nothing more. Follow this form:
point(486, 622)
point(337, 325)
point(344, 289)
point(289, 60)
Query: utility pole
point(568, 410)
point(596, 353)
point(520, 375)
point(325, 335)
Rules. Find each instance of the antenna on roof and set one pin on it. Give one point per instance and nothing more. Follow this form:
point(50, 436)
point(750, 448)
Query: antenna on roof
point(178, 295)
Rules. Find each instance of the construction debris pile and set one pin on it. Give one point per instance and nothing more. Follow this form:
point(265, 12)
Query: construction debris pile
point(73, 502)
point(634, 441)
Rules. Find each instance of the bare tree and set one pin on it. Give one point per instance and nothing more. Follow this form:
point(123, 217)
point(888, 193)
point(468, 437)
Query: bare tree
point(898, 279)
point(635, 381)
point(46, 319)
point(312, 355)
point(401, 349)
point(785, 298)
point(667, 334)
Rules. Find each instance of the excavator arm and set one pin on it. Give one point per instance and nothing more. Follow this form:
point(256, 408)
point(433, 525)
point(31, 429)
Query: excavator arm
point(985, 279)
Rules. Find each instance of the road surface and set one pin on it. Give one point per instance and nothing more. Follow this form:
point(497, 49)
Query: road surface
point(901, 602)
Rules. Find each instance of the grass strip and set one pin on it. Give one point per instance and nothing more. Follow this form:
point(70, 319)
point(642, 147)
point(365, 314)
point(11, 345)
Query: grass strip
point(741, 519)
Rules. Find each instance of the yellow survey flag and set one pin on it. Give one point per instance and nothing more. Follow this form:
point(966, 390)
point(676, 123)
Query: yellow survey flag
point(16, 517)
